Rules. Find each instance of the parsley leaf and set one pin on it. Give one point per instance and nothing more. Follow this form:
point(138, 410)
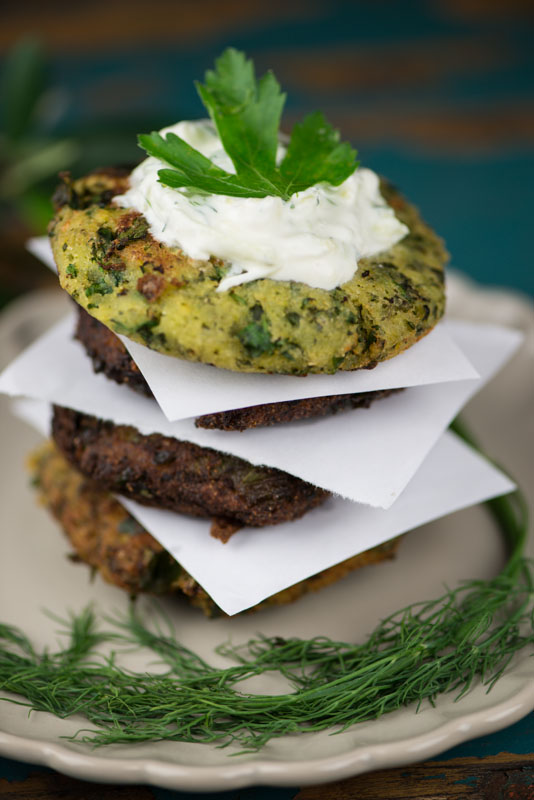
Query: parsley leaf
point(315, 154)
point(246, 113)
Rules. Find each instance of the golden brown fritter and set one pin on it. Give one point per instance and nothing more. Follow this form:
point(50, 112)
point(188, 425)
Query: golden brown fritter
point(112, 266)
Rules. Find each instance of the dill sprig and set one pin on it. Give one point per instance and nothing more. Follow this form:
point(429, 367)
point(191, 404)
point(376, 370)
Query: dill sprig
point(470, 633)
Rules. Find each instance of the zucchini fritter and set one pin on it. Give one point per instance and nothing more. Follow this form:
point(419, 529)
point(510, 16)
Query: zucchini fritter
point(161, 471)
point(105, 536)
point(112, 266)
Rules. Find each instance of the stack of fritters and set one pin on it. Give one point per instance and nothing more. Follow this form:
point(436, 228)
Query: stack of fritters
point(128, 282)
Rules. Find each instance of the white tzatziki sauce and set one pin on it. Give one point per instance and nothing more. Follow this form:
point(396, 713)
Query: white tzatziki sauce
point(316, 237)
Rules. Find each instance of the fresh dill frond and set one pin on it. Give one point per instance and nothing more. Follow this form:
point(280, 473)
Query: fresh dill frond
point(469, 634)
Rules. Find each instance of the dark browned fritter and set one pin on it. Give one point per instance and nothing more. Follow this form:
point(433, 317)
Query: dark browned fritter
point(240, 419)
point(161, 471)
point(105, 536)
point(110, 356)
point(108, 353)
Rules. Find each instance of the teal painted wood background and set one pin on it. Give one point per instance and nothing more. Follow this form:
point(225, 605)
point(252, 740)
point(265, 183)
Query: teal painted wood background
point(438, 96)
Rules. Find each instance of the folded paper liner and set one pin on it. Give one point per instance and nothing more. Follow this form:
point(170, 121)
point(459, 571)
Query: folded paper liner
point(258, 562)
point(365, 455)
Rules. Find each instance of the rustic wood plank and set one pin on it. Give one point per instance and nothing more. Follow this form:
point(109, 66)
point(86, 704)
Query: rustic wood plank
point(53, 786)
point(502, 777)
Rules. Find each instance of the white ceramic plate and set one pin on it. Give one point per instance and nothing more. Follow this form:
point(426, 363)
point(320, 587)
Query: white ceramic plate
point(35, 574)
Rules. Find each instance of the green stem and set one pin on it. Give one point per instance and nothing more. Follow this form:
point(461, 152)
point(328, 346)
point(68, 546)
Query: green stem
point(413, 655)
point(510, 512)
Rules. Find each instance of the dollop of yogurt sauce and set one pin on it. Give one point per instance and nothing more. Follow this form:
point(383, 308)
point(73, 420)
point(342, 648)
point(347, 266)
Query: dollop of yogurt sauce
point(316, 237)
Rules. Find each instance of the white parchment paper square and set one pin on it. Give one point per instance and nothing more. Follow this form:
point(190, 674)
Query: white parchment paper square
point(185, 389)
point(257, 563)
point(365, 455)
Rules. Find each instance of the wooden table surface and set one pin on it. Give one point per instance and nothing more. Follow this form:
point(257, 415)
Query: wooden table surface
point(436, 95)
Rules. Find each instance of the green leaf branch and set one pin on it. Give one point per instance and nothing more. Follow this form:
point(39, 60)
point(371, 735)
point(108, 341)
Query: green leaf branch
point(468, 634)
point(246, 113)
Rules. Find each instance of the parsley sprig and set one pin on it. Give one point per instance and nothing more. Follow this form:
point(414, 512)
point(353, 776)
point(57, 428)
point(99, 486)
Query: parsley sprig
point(246, 113)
